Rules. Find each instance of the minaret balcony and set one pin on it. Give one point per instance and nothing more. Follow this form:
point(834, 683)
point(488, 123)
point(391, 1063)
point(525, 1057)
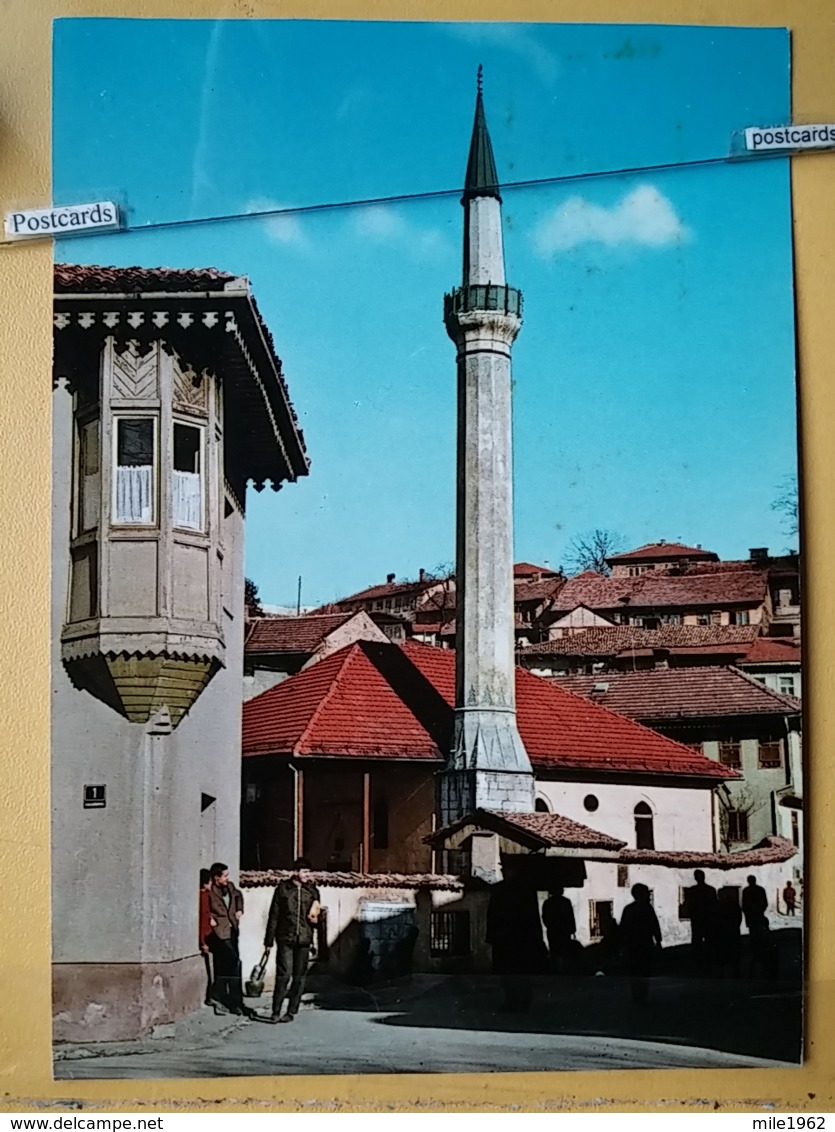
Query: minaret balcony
point(491, 297)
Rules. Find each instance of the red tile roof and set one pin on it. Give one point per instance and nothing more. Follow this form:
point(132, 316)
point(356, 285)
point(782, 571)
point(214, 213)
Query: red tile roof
point(292, 634)
point(523, 570)
point(660, 591)
point(540, 591)
point(609, 642)
point(73, 277)
point(769, 851)
point(681, 693)
point(535, 830)
point(383, 701)
point(388, 589)
point(438, 882)
point(770, 650)
point(661, 550)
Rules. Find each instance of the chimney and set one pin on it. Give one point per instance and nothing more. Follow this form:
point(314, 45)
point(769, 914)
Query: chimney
point(389, 579)
point(662, 542)
point(421, 575)
point(758, 553)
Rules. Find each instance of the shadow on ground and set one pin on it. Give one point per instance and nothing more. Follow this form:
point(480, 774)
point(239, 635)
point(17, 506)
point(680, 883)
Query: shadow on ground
point(752, 1016)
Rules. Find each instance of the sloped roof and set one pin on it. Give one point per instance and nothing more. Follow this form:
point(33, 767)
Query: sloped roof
point(292, 634)
point(603, 641)
point(770, 851)
point(654, 551)
point(535, 830)
point(385, 701)
point(681, 693)
point(522, 570)
point(773, 650)
point(658, 591)
point(540, 591)
point(388, 589)
point(94, 279)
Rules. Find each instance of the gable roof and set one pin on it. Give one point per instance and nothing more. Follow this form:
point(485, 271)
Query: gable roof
point(373, 700)
point(608, 642)
point(658, 591)
point(388, 589)
point(681, 693)
point(773, 650)
point(523, 570)
point(654, 551)
point(292, 634)
point(536, 831)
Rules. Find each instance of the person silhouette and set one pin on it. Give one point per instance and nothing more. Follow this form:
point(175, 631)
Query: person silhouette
point(514, 933)
point(790, 898)
point(560, 927)
point(641, 936)
point(728, 923)
point(700, 902)
point(754, 907)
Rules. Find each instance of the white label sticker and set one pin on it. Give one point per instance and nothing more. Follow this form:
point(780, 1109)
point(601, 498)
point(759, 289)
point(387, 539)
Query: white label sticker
point(61, 221)
point(759, 138)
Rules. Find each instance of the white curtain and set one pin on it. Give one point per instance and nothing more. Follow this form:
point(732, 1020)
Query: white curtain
point(186, 493)
point(134, 492)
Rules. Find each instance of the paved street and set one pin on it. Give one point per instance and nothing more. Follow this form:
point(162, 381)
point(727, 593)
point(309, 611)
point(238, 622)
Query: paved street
point(451, 1025)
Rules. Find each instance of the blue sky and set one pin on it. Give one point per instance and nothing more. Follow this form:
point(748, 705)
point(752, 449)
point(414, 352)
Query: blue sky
point(654, 374)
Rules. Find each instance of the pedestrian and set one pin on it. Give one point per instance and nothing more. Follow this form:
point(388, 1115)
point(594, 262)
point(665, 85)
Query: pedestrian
point(754, 907)
point(205, 924)
point(514, 933)
point(560, 927)
point(226, 906)
point(641, 936)
point(700, 903)
point(728, 922)
point(790, 898)
point(294, 913)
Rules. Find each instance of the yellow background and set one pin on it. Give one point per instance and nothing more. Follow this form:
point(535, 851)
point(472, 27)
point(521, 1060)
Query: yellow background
point(25, 351)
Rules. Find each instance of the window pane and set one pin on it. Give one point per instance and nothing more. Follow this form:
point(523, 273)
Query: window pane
point(186, 481)
point(135, 442)
point(89, 480)
point(134, 470)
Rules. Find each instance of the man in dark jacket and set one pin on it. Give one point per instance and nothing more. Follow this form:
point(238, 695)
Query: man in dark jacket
point(226, 906)
point(294, 912)
point(641, 937)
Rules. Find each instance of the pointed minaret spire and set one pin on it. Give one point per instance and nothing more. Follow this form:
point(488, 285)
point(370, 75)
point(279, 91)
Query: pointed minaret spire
point(482, 179)
point(488, 766)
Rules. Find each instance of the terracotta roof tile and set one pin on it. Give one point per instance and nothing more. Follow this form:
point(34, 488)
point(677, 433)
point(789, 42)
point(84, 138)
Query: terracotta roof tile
point(292, 634)
point(556, 830)
point(73, 277)
point(383, 701)
point(680, 693)
point(770, 851)
point(659, 591)
point(251, 878)
point(662, 550)
point(766, 650)
point(522, 570)
point(609, 642)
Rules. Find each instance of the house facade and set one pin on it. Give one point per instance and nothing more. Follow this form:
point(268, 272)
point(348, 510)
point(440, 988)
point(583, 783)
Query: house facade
point(168, 399)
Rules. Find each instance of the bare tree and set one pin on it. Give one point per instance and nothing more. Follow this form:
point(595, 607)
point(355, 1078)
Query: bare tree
point(787, 503)
point(589, 551)
point(742, 802)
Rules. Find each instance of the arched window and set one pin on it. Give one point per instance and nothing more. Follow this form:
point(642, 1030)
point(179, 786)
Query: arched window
point(644, 834)
point(541, 806)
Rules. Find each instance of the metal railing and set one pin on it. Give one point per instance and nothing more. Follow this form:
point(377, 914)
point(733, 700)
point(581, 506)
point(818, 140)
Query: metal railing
point(483, 297)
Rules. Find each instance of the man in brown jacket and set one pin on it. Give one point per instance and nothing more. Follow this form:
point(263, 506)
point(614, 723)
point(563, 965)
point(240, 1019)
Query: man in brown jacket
point(294, 912)
point(226, 906)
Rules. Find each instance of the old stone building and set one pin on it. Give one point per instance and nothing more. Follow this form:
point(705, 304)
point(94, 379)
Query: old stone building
point(168, 399)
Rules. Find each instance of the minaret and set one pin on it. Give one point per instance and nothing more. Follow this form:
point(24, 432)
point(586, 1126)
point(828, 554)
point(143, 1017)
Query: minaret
point(488, 766)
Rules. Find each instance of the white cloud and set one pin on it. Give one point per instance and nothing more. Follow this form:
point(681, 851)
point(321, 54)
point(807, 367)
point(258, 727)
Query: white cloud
point(384, 224)
point(644, 216)
point(284, 229)
point(513, 38)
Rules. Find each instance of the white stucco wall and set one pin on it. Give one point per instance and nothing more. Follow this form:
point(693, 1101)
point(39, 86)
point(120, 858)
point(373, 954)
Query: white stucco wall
point(125, 878)
point(682, 814)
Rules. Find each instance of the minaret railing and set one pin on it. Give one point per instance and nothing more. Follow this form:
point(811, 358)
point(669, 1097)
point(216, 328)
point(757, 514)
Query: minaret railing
point(483, 297)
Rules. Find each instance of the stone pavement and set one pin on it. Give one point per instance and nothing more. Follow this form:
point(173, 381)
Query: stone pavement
point(451, 1024)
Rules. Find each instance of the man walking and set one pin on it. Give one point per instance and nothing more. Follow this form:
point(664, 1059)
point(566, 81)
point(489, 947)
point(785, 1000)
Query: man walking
point(226, 906)
point(641, 935)
point(754, 908)
point(701, 905)
point(790, 898)
point(560, 927)
point(294, 912)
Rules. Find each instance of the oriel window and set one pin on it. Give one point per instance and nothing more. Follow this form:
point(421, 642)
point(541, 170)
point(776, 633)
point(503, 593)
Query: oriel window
point(187, 477)
point(135, 486)
point(89, 476)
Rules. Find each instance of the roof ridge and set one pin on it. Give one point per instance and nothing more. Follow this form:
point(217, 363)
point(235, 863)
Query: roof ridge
point(349, 650)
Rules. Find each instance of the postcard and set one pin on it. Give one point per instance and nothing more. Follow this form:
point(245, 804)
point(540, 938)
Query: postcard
point(426, 673)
